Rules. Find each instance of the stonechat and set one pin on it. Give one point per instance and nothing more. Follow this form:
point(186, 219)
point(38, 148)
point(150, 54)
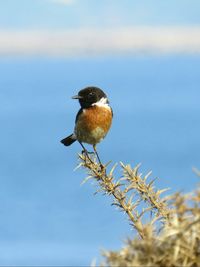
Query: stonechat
point(93, 120)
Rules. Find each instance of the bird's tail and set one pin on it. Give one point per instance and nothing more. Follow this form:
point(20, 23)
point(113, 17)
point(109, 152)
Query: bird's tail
point(68, 140)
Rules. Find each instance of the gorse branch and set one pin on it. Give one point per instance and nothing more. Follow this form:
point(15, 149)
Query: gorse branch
point(131, 193)
point(146, 190)
point(176, 243)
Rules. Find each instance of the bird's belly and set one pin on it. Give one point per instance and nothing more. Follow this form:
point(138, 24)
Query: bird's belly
point(93, 125)
point(90, 137)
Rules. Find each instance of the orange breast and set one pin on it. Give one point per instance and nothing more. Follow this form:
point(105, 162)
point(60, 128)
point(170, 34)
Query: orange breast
point(93, 124)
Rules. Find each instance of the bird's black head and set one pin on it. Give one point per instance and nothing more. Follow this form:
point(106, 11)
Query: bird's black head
point(89, 96)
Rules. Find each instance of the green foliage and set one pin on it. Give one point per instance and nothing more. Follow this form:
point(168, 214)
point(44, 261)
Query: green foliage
point(167, 228)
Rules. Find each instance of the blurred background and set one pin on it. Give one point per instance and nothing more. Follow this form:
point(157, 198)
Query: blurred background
point(146, 56)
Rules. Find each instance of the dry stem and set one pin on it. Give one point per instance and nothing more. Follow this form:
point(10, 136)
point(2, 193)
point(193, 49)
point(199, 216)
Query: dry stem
point(129, 192)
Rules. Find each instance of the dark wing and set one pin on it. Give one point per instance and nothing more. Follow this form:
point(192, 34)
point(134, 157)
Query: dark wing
point(78, 114)
point(112, 111)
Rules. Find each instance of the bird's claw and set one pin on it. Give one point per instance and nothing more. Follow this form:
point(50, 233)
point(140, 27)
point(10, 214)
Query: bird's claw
point(87, 152)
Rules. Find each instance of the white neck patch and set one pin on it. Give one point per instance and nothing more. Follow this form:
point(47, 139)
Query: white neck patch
point(103, 102)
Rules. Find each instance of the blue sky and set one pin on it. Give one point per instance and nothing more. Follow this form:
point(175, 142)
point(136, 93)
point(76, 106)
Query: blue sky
point(145, 55)
point(82, 13)
point(83, 28)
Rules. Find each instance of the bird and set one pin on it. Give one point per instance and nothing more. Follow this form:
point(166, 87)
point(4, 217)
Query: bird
point(93, 120)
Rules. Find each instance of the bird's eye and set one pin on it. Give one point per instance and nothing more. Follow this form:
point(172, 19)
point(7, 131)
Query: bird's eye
point(91, 94)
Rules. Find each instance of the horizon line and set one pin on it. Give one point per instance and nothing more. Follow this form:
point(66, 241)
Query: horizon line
point(97, 41)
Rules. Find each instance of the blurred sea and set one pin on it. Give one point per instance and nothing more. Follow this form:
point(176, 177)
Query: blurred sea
point(46, 217)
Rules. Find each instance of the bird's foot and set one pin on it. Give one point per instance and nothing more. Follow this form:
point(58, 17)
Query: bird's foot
point(87, 152)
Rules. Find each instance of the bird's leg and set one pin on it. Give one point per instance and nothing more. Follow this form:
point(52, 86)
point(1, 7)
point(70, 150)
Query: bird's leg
point(85, 151)
point(95, 150)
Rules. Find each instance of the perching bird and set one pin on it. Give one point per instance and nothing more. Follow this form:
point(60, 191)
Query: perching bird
point(93, 120)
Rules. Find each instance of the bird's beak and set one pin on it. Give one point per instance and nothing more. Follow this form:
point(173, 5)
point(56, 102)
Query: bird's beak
point(77, 97)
